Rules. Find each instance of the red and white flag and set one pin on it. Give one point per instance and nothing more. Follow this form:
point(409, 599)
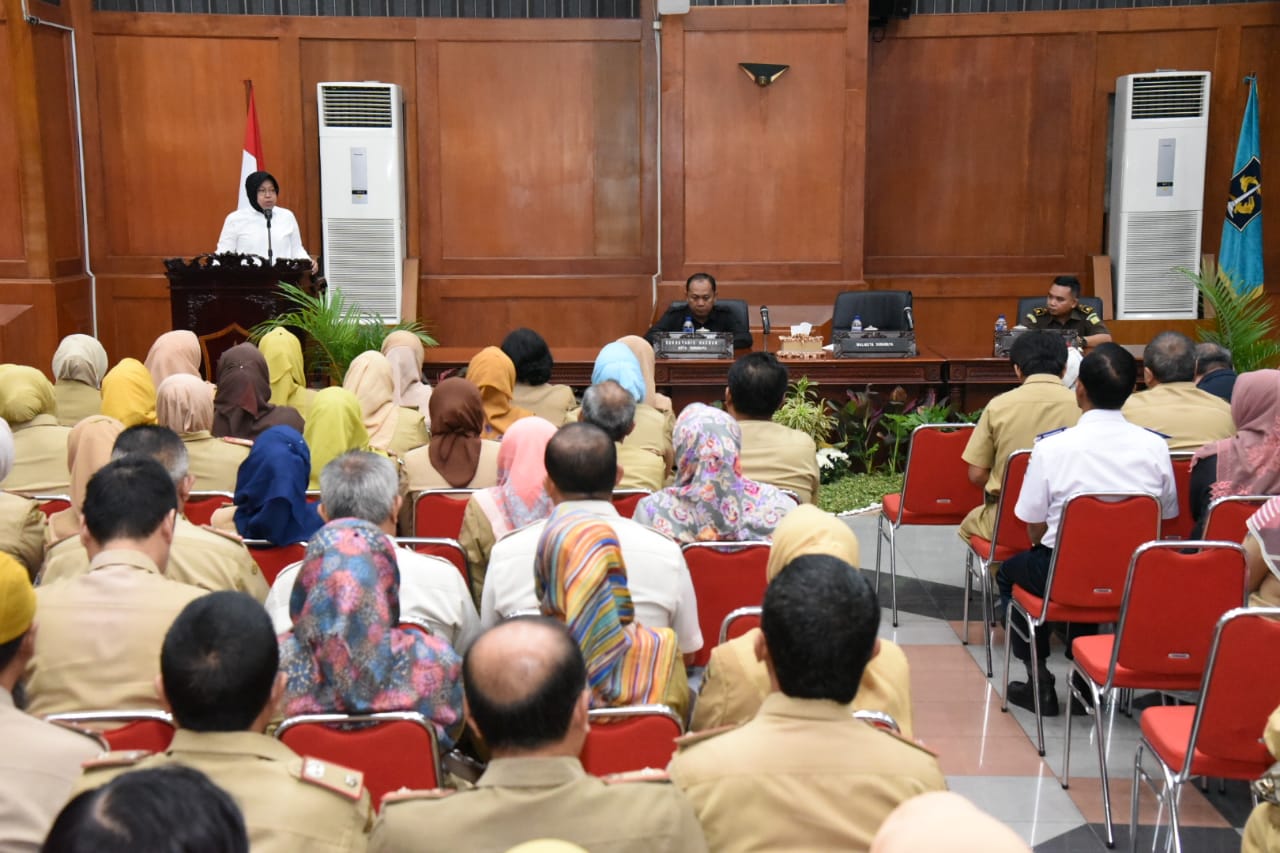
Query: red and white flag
point(251, 159)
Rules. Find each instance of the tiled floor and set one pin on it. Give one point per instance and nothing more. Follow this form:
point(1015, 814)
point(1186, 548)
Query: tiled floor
point(990, 756)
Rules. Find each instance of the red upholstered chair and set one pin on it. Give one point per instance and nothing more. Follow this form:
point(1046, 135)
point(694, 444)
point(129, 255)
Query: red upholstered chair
point(445, 549)
point(1223, 734)
point(726, 576)
point(271, 559)
point(935, 490)
point(1097, 536)
point(49, 504)
point(438, 512)
point(1173, 599)
point(200, 506)
point(1009, 537)
point(393, 749)
point(879, 719)
point(146, 729)
point(1225, 520)
point(630, 738)
point(625, 500)
point(1180, 527)
point(739, 622)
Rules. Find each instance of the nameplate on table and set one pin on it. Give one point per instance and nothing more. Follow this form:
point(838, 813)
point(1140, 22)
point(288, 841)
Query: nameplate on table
point(874, 344)
point(1004, 340)
point(694, 345)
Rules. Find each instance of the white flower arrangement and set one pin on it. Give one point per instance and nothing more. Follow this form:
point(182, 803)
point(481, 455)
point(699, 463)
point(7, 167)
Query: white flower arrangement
point(829, 458)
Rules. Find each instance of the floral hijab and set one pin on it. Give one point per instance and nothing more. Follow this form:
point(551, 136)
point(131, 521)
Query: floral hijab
point(520, 497)
point(346, 652)
point(711, 500)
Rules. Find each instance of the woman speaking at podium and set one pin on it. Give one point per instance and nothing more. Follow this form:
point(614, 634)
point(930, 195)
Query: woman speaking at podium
point(262, 228)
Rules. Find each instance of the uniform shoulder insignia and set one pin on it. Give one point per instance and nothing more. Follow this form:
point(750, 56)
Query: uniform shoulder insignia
point(698, 737)
point(1085, 309)
point(243, 442)
point(119, 758)
point(333, 777)
point(405, 795)
point(225, 534)
point(648, 774)
point(1157, 432)
point(1050, 432)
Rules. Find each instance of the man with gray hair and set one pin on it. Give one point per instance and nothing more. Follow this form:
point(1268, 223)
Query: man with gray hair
point(1215, 372)
point(364, 485)
point(1186, 417)
point(200, 556)
point(612, 408)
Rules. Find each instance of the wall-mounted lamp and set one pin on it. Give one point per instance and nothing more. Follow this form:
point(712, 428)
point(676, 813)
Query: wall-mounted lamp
point(761, 73)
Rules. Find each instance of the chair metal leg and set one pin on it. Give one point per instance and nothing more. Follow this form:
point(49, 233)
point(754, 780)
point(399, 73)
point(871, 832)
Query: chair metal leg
point(1175, 794)
point(1133, 799)
point(879, 542)
point(1101, 743)
point(968, 590)
point(893, 571)
point(1008, 654)
point(1035, 685)
point(988, 608)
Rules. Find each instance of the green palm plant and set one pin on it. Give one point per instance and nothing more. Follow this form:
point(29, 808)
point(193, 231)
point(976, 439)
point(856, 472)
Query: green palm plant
point(1243, 323)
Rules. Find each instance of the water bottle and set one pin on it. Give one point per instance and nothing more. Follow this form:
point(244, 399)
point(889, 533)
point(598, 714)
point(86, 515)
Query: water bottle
point(688, 325)
point(1002, 324)
point(857, 323)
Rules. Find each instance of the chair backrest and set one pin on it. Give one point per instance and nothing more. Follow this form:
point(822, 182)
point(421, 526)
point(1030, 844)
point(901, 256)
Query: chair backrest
point(145, 729)
point(1174, 596)
point(736, 307)
point(879, 719)
point(625, 500)
point(936, 480)
point(445, 549)
point(884, 309)
point(1180, 527)
point(1226, 519)
point(49, 504)
point(630, 738)
point(1027, 304)
point(739, 622)
point(393, 749)
point(1097, 536)
point(200, 506)
point(272, 559)
point(726, 576)
point(438, 512)
point(1009, 530)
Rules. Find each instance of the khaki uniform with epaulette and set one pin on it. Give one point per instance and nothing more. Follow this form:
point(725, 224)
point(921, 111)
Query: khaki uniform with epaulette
point(40, 458)
point(290, 803)
point(1262, 831)
point(803, 774)
point(214, 462)
point(1187, 417)
point(1082, 320)
point(521, 799)
point(22, 527)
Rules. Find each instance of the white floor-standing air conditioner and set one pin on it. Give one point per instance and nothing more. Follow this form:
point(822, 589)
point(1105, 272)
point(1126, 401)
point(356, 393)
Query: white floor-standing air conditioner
point(1157, 191)
point(362, 193)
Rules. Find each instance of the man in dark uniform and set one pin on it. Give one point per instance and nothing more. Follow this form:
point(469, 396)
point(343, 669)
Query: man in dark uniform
point(1063, 310)
point(700, 293)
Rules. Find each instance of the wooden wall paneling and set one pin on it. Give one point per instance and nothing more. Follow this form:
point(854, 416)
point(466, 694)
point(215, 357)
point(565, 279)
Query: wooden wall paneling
point(855, 135)
point(672, 202)
point(58, 146)
point(133, 310)
point(25, 120)
point(11, 211)
point(618, 140)
point(430, 210)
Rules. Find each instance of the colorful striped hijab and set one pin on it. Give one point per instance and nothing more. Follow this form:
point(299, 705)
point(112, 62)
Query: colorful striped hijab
point(580, 579)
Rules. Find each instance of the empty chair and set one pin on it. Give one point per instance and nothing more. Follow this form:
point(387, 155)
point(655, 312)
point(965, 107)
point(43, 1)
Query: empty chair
point(1225, 520)
point(726, 576)
point(632, 737)
point(438, 512)
point(1180, 527)
point(889, 310)
point(144, 729)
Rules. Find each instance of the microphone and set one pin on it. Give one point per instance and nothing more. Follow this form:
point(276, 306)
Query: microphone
point(267, 214)
point(910, 318)
point(764, 322)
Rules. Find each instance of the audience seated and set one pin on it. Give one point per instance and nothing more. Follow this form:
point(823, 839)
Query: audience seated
point(581, 469)
point(334, 426)
point(40, 761)
point(771, 453)
point(1012, 421)
point(173, 353)
point(643, 352)
point(534, 390)
point(128, 394)
point(271, 491)
point(405, 351)
point(520, 497)
point(184, 404)
point(100, 633)
point(79, 363)
point(1172, 405)
point(242, 404)
point(28, 405)
point(803, 774)
point(527, 698)
point(457, 457)
point(88, 449)
point(710, 499)
point(345, 652)
point(364, 485)
point(1262, 549)
point(736, 681)
point(943, 822)
point(218, 673)
point(611, 407)
point(1249, 462)
point(22, 524)
point(652, 432)
point(1262, 831)
point(392, 428)
point(1215, 372)
point(286, 370)
point(494, 374)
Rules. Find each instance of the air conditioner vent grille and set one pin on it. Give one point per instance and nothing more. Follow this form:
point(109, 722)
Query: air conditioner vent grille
point(357, 106)
point(361, 260)
point(1169, 96)
point(1158, 244)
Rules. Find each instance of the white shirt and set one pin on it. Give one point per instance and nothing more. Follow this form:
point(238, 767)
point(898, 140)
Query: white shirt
point(657, 576)
point(1102, 453)
point(431, 591)
point(245, 232)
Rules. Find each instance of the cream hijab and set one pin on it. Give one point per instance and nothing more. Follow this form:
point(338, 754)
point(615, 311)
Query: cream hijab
point(945, 822)
point(369, 378)
point(88, 448)
point(184, 404)
point(808, 530)
point(644, 354)
point(80, 358)
point(172, 353)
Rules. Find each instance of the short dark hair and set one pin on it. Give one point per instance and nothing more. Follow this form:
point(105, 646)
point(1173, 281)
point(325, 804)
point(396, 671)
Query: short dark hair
point(1171, 357)
point(9, 650)
point(1068, 281)
point(219, 662)
point(701, 276)
point(543, 715)
point(1107, 374)
point(128, 499)
point(155, 442)
point(1039, 352)
point(609, 406)
point(758, 384)
point(1211, 357)
point(530, 354)
point(820, 619)
point(581, 459)
point(169, 809)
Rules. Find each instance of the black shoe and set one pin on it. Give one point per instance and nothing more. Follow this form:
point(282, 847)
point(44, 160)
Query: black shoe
point(1080, 708)
point(1021, 694)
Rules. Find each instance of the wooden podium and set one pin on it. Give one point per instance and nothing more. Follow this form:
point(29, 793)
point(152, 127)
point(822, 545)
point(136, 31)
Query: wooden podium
point(222, 297)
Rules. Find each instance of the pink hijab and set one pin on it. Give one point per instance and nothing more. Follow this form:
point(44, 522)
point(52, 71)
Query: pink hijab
point(174, 352)
point(1249, 462)
point(520, 497)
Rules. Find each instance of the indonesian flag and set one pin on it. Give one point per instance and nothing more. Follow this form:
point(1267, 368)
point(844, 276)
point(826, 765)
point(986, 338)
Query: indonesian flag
point(251, 159)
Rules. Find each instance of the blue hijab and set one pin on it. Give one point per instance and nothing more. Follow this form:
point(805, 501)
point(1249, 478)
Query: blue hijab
point(271, 489)
point(617, 362)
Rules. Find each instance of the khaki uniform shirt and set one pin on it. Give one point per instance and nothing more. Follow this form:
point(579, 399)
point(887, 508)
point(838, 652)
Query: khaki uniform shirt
point(521, 799)
point(98, 647)
point(198, 557)
point(642, 467)
point(22, 527)
point(76, 401)
point(1191, 418)
point(214, 462)
point(802, 775)
point(422, 476)
point(653, 433)
point(550, 402)
point(780, 456)
point(1082, 320)
point(291, 804)
point(1262, 832)
point(40, 458)
point(1011, 421)
point(38, 765)
point(411, 432)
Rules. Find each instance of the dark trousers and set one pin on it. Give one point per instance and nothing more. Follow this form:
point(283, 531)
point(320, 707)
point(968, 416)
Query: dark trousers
point(1030, 570)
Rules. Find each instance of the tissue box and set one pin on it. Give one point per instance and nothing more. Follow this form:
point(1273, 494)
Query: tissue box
point(801, 346)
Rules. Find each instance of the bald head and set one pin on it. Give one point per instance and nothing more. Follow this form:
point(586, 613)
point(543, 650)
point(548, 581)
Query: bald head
point(1171, 357)
point(581, 460)
point(525, 680)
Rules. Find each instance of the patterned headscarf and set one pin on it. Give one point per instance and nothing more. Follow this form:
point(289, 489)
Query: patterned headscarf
point(457, 417)
point(711, 500)
point(346, 653)
point(333, 427)
point(242, 404)
point(24, 393)
point(184, 404)
point(520, 497)
point(80, 358)
point(174, 352)
point(1249, 462)
point(128, 394)
point(581, 580)
point(616, 361)
point(271, 489)
point(285, 368)
point(494, 374)
point(369, 378)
